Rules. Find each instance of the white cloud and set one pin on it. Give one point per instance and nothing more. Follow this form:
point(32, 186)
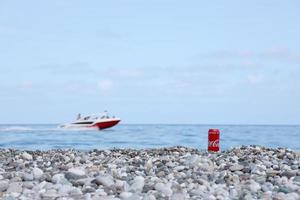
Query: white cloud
point(281, 53)
point(105, 85)
point(75, 68)
point(276, 51)
point(248, 64)
point(130, 73)
point(78, 86)
point(238, 53)
point(26, 86)
point(254, 79)
point(7, 30)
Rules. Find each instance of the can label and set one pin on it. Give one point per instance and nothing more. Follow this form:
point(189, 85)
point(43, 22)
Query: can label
point(214, 140)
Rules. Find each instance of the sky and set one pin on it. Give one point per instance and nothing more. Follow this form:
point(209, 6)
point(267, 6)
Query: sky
point(158, 61)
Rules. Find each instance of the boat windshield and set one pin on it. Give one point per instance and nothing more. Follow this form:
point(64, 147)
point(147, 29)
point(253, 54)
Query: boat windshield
point(104, 115)
point(86, 118)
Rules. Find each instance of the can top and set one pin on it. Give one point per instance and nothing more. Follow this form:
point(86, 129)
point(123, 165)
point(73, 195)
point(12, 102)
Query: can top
point(214, 130)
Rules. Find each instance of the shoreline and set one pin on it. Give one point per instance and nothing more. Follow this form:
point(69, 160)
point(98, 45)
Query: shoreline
point(247, 172)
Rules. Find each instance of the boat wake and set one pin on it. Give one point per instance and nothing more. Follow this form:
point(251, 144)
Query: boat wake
point(34, 128)
point(16, 128)
point(77, 128)
point(19, 129)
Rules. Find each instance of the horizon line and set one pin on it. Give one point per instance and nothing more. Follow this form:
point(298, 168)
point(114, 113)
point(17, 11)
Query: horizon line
point(184, 124)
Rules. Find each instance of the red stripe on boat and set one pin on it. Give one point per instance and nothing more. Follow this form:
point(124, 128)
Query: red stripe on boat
point(108, 124)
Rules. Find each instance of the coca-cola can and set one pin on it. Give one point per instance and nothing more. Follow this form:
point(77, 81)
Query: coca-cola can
point(213, 140)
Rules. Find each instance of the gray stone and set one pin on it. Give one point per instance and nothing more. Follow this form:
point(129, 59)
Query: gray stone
point(15, 187)
point(267, 187)
point(164, 189)
point(179, 196)
point(4, 185)
point(64, 190)
point(254, 186)
point(149, 197)
point(82, 182)
point(138, 184)
point(292, 196)
point(284, 189)
point(28, 184)
point(8, 198)
point(161, 174)
point(88, 189)
point(50, 194)
point(105, 180)
point(288, 174)
point(60, 179)
point(179, 168)
point(236, 167)
point(272, 173)
point(75, 193)
point(296, 179)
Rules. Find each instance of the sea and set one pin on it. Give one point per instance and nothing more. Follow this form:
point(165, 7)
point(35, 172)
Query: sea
point(138, 136)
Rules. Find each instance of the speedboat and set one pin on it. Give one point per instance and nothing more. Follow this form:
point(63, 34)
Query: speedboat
point(99, 122)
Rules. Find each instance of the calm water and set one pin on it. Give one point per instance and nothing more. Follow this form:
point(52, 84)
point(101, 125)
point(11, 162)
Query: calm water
point(146, 136)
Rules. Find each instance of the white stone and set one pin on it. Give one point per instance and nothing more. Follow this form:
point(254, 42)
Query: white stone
point(267, 195)
point(67, 159)
point(50, 194)
point(60, 179)
point(267, 187)
point(125, 195)
point(64, 190)
point(149, 197)
point(57, 178)
point(77, 171)
point(179, 168)
point(236, 167)
point(28, 184)
point(28, 177)
point(192, 161)
point(211, 197)
point(138, 184)
point(87, 196)
point(105, 180)
point(292, 196)
point(233, 193)
point(15, 187)
point(279, 195)
point(179, 196)
point(254, 186)
point(37, 173)
point(26, 156)
point(76, 193)
point(119, 184)
point(292, 187)
point(164, 189)
point(41, 185)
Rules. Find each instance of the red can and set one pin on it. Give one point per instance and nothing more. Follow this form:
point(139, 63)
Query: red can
point(213, 140)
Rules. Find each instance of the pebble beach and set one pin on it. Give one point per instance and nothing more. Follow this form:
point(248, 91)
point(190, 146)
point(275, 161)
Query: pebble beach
point(247, 172)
